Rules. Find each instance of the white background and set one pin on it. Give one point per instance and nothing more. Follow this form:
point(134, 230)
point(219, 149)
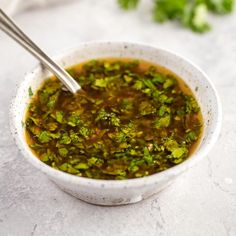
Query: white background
point(202, 202)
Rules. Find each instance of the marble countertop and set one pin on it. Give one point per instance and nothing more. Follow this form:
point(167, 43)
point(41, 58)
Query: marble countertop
point(201, 202)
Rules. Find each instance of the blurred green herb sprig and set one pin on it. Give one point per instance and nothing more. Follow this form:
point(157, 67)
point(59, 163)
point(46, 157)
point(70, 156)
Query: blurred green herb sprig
point(191, 14)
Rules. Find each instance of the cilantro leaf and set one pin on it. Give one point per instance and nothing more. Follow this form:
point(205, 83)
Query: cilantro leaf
point(63, 152)
point(82, 166)
point(59, 116)
point(84, 131)
point(191, 14)
point(128, 4)
point(162, 122)
point(102, 83)
point(191, 104)
point(52, 100)
point(168, 9)
point(147, 156)
point(30, 92)
point(221, 6)
point(196, 19)
point(74, 119)
point(108, 118)
point(146, 108)
point(44, 137)
point(148, 83)
point(138, 85)
point(65, 139)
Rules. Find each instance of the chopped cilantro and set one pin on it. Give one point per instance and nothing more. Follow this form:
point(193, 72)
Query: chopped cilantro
point(147, 156)
point(59, 116)
point(146, 108)
point(158, 79)
point(162, 122)
point(44, 137)
point(52, 100)
point(169, 83)
point(108, 118)
point(84, 131)
point(30, 92)
point(131, 121)
point(63, 152)
point(148, 83)
point(102, 83)
point(191, 136)
point(65, 139)
point(64, 166)
point(138, 85)
point(82, 166)
point(179, 152)
point(44, 157)
point(191, 104)
point(74, 119)
point(164, 110)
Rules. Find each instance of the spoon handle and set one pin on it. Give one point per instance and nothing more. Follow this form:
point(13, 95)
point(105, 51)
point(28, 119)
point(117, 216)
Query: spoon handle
point(10, 28)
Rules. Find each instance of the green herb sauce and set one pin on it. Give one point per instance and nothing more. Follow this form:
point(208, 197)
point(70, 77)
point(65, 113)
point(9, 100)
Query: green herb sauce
point(134, 119)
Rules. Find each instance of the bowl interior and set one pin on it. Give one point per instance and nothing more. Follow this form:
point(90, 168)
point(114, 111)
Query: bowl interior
point(195, 78)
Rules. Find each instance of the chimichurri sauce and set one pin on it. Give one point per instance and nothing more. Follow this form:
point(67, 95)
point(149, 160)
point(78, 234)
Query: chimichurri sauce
point(134, 119)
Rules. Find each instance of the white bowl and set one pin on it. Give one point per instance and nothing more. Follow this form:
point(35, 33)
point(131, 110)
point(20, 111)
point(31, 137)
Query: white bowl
point(117, 192)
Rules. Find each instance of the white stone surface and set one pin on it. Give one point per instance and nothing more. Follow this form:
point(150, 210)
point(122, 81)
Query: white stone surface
point(202, 202)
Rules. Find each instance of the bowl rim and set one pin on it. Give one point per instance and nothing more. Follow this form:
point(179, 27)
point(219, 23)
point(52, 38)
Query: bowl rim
point(112, 184)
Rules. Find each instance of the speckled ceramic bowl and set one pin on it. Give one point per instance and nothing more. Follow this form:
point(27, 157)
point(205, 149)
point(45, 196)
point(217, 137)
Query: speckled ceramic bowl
point(117, 192)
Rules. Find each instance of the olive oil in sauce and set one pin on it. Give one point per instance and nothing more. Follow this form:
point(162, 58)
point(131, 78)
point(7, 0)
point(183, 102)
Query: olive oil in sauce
point(134, 119)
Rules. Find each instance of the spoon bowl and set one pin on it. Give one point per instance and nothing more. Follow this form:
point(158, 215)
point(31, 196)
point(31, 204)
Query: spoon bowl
point(118, 192)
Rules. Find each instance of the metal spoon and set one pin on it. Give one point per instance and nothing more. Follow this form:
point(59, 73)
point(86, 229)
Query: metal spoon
point(10, 28)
